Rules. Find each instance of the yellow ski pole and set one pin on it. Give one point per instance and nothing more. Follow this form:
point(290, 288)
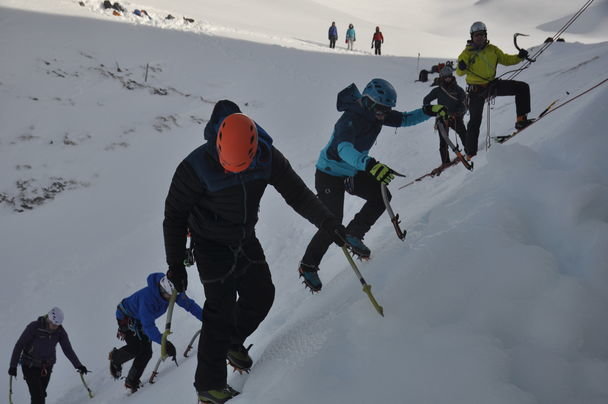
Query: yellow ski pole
point(367, 289)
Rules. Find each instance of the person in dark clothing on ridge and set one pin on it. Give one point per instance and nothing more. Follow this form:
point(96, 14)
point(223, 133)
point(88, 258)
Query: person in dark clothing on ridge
point(135, 316)
point(332, 35)
point(216, 192)
point(451, 98)
point(35, 350)
point(344, 165)
point(478, 61)
point(377, 41)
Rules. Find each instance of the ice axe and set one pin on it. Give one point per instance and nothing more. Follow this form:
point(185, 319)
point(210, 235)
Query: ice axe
point(163, 344)
point(86, 386)
point(515, 35)
point(394, 217)
point(367, 288)
point(10, 389)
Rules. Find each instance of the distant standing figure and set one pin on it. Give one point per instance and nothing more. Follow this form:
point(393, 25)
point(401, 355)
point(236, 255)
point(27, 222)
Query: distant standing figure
point(333, 35)
point(350, 37)
point(35, 350)
point(377, 41)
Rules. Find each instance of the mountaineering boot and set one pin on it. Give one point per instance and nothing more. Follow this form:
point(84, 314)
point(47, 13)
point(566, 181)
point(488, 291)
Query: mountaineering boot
point(217, 396)
point(132, 385)
point(357, 246)
point(311, 277)
point(238, 357)
point(522, 122)
point(132, 381)
point(115, 369)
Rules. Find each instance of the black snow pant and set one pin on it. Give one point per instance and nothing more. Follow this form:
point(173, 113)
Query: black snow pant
point(377, 45)
point(332, 42)
point(456, 123)
point(330, 190)
point(477, 98)
point(238, 295)
point(139, 348)
point(37, 380)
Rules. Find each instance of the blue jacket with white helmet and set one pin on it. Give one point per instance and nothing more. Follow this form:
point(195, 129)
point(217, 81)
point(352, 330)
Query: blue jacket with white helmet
point(147, 304)
point(356, 131)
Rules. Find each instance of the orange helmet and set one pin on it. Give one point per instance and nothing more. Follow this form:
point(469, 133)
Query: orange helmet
point(237, 142)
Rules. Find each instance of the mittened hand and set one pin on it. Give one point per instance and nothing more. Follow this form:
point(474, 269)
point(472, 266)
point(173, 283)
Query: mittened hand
point(12, 372)
point(170, 348)
point(439, 110)
point(462, 65)
point(381, 172)
point(523, 53)
point(179, 277)
point(82, 370)
point(336, 231)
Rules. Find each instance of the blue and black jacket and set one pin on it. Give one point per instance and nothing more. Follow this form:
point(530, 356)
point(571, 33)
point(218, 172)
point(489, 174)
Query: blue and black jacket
point(222, 207)
point(355, 133)
point(147, 304)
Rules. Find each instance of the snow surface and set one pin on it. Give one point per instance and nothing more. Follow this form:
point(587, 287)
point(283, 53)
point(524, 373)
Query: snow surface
point(498, 294)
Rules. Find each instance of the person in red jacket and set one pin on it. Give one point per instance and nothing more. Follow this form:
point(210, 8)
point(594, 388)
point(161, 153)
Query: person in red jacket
point(377, 41)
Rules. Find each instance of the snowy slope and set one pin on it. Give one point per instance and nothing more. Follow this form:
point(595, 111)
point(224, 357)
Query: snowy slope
point(497, 295)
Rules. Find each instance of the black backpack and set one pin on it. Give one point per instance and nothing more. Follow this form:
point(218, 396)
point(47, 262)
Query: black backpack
point(423, 76)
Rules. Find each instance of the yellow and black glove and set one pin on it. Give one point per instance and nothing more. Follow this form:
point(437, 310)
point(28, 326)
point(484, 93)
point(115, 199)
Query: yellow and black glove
point(381, 172)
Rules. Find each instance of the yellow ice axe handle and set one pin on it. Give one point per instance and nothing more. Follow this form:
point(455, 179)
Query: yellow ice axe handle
point(367, 289)
point(163, 341)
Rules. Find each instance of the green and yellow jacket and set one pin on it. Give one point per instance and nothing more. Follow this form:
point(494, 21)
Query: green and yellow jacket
point(481, 63)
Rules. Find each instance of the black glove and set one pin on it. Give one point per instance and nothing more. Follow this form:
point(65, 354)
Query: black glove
point(523, 53)
point(427, 110)
point(462, 65)
point(12, 372)
point(381, 172)
point(82, 370)
point(336, 231)
point(179, 277)
point(170, 348)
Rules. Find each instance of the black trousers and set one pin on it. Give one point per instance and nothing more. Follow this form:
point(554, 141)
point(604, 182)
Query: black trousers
point(238, 295)
point(37, 381)
point(138, 348)
point(330, 190)
point(332, 42)
point(477, 98)
point(457, 124)
point(377, 45)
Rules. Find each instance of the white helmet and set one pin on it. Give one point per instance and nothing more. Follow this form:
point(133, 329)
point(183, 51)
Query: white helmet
point(55, 316)
point(166, 285)
point(478, 26)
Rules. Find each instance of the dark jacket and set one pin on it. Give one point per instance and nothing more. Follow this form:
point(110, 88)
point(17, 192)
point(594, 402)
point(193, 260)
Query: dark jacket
point(36, 346)
point(355, 133)
point(333, 32)
point(223, 207)
point(147, 304)
point(452, 97)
